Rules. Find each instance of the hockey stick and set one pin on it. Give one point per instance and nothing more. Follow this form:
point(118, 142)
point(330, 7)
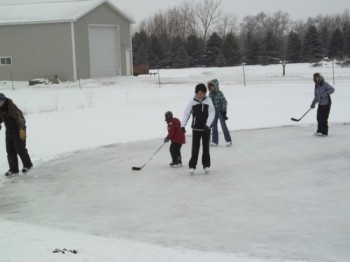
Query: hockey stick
point(297, 120)
point(139, 168)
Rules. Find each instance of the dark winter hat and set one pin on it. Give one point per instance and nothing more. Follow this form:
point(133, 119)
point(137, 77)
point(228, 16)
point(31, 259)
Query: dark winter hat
point(2, 97)
point(168, 115)
point(201, 87)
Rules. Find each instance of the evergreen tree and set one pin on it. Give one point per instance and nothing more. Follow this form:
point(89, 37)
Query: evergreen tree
point(336, 45)
point(176, 44)
point(213, 49)
point(231, 50)
point(142, 55)
point(139, 40)
point(252, 50)
point(294, 48)
point(195, 50)
point(221, 60)
point(312, 49)
point(181, 59)
point(156, 52)
point(270, 52)
point(347, 41)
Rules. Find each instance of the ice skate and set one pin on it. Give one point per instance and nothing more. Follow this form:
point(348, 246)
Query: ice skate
point(10, 174)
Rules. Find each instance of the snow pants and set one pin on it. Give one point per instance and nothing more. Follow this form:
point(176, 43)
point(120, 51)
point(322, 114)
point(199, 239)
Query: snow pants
point(197, 136)
point(322, 118)
point(175, 152)
point(15, 146)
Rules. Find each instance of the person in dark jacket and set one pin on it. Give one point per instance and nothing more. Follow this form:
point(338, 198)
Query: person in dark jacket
point(177, 138)
point(220, 105)
point(203, 112)
point(322, 96)
point(15, 136)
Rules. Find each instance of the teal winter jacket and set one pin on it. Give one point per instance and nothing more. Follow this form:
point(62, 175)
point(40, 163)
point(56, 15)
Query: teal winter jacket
point(218, 98)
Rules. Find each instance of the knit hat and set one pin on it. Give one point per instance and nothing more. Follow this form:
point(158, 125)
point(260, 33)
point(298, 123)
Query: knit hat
point(168, 115)
point(2, 97)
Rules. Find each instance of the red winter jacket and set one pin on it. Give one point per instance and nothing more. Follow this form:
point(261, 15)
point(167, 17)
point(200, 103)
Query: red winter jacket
point(175, 135)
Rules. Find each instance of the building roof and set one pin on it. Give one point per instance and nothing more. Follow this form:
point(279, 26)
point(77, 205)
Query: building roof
point(52, 12)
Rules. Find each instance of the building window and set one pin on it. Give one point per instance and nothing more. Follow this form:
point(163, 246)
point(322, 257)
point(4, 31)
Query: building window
point(5, 60)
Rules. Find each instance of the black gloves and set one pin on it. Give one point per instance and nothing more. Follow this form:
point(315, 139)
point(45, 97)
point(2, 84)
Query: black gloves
point(183, 130)
point(206, 129)
point(313, 104)
point(166, 140)
point(224, 114)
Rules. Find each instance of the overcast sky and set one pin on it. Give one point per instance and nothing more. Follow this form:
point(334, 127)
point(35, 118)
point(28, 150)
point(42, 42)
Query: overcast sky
point(297, 9)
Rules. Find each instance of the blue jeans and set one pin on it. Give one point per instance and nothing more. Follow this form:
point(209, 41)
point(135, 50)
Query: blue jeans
point(215, 136)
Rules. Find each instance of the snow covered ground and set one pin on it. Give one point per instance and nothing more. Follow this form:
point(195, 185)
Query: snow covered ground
point(279, 194)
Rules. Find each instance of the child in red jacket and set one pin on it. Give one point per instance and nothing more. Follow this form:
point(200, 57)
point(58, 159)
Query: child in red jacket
point(177, 138)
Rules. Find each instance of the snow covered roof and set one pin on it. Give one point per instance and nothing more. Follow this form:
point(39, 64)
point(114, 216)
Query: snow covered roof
point(52, 12)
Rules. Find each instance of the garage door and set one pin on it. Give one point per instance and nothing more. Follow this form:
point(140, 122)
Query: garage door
point(103, 45)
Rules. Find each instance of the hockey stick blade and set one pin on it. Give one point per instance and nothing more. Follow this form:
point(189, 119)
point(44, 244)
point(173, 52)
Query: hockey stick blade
point(297, 120)
point(139, 168)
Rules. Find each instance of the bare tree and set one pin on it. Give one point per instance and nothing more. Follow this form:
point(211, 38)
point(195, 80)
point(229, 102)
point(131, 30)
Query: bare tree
point(174, 22)
point(189, 18)
point(263, 22)
point(299, 27)
point(142, 26)
point(249, 25)
point(279, 23)
point(208, 13)
point(227, 24)
point(345, 18)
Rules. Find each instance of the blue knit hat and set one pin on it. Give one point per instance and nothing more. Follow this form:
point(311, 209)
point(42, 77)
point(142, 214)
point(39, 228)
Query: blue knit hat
point(2, 97)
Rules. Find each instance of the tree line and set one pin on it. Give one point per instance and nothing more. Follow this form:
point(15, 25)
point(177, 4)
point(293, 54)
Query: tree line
point(196, 34)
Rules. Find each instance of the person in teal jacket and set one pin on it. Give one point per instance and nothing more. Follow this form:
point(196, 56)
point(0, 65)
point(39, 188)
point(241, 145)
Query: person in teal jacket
point(220, 105)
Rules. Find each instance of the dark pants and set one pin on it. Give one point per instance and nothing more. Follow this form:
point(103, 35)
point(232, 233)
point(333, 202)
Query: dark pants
point(15, 146)
point(197, 136)
point(175, 152)
point(322, 119)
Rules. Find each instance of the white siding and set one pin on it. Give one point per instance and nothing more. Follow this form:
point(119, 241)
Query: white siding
point(128, 62)
point(103, 49)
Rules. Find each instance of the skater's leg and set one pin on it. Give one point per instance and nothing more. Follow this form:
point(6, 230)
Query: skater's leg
point(21, 150)
point(224, 128)
point(11, 154)
point(196, 138)
point(215, 135)
point(206, 147)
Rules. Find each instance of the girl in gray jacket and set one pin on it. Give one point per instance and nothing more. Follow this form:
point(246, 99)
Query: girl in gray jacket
point(323, 92)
